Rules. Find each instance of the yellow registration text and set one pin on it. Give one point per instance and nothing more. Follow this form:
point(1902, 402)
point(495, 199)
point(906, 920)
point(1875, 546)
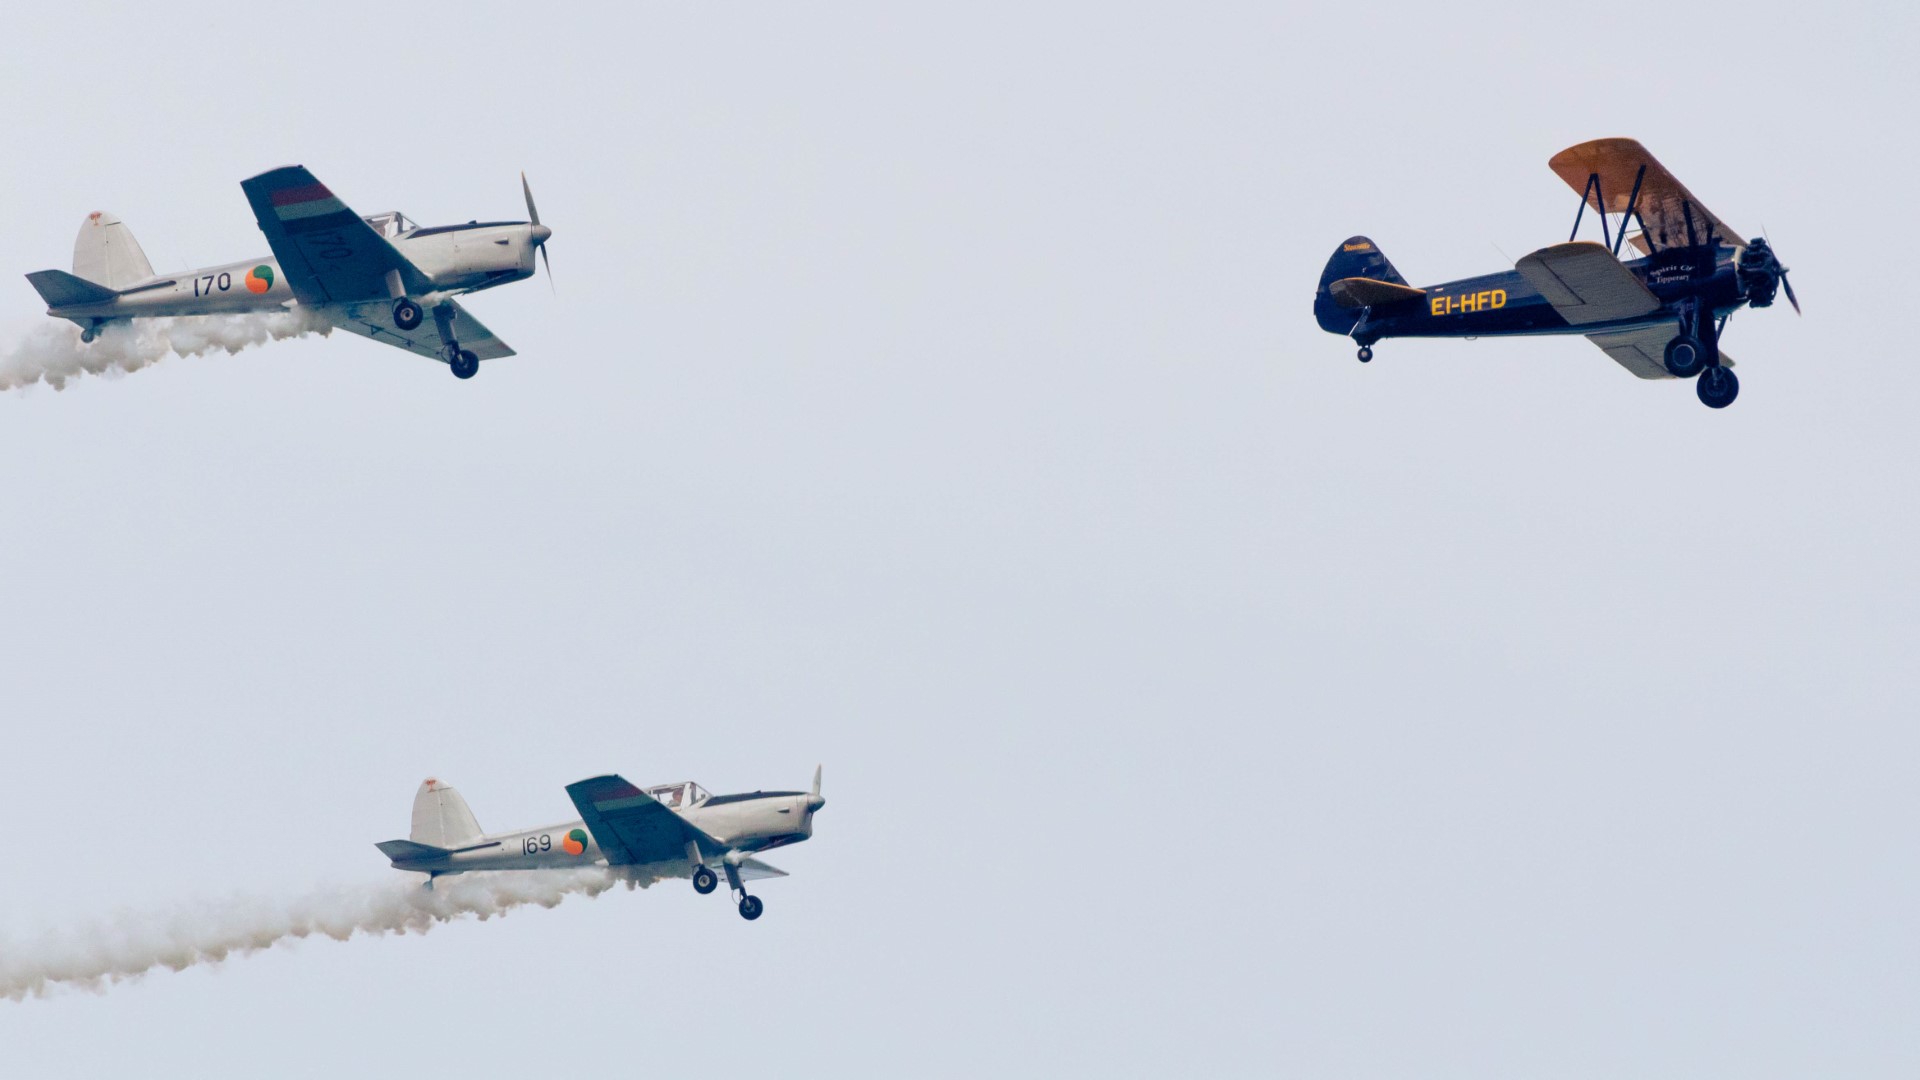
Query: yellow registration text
point(1485, 300)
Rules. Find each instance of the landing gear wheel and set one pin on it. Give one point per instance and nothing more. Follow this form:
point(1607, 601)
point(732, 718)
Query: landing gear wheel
point(406, 314)
point(750, 907)
point(88, 335)
point(704, 880)
point(1365, 353)
point(1717, 387)
point(466, 365)
point(1685, 357)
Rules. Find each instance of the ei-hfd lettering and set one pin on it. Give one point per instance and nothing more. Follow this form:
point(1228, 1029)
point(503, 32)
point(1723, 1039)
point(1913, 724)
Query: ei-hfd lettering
point(1485, 300)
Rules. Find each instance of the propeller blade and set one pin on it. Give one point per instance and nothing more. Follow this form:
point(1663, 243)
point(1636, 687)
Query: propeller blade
point(533, 214)
point(1788, 285)
point(816, 780)
point(544, 261)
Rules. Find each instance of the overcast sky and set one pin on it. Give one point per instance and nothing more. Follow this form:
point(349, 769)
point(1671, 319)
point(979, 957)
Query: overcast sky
point(933, 393)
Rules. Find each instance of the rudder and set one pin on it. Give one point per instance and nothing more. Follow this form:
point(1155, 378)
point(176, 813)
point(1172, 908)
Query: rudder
point(1356, 257)
point(106, 253)
point(441, 818)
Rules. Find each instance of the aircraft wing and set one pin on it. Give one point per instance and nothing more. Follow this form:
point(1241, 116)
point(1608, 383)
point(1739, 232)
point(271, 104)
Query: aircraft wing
point(374, 319)
point(1643, 351)
point(1664, 202)
point(328, 254)
point(632, 826)
point(1586, 284)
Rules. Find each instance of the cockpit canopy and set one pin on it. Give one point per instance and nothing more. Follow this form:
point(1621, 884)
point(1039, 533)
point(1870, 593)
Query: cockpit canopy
point(679, 796)
point(390, 224)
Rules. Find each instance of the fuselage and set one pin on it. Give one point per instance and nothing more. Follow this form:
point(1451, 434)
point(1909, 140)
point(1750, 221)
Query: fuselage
point(1503, 304)
point(749, 823)
point(455, 258)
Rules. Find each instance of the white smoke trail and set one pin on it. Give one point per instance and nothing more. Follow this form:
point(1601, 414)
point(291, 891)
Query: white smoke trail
point(132, 944)
point(52, 352)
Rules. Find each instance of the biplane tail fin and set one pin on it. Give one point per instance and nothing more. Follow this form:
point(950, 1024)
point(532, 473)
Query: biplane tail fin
point(1357, 257)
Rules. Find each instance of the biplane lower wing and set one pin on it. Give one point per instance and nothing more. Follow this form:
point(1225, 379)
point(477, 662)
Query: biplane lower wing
point(375, 320)
point(1586, 284)
point(1643, 351)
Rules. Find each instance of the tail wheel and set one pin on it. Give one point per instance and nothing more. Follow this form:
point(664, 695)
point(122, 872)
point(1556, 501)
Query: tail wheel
point(704, 880)
point(750, 907)
point(406, 314)
point(466, 365)
point(1717, 387)
point(1365, 354)
point(1685, 356)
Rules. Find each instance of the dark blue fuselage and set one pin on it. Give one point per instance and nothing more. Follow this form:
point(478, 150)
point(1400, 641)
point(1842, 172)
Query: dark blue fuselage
point(1503, 304)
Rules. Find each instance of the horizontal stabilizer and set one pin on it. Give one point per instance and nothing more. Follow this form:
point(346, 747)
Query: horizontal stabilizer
point(1358, 292)
point(406, 853)
point(61, 289)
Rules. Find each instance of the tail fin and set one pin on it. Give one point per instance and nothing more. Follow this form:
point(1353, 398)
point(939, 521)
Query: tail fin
point(1358, 257)
point(106, 253)
point(441, 818)
point(61, 289)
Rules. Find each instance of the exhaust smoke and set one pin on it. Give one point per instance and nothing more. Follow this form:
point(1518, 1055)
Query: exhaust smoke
point(130, 944)
point(54, 354)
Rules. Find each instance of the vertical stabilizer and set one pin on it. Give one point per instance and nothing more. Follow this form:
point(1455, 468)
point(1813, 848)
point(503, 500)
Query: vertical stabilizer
point(106, 253)
point(441, 818)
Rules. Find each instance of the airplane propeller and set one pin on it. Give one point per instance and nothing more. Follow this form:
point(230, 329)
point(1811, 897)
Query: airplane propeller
point(540, 232)
point(1760, 272)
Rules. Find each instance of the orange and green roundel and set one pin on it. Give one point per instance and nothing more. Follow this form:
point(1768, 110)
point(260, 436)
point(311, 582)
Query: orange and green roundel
point(260, 278)
point(575, 842)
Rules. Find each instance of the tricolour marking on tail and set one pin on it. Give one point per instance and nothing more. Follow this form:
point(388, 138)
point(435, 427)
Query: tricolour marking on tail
point(441, 818)
point(106, 253)
point(1357, 257)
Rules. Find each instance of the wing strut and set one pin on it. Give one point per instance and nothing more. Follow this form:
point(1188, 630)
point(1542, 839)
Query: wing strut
point(1592, 188)
point(1633, 203)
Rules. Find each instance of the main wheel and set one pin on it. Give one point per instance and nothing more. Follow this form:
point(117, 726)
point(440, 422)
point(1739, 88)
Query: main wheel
point(406, 314)
point(88, 334)
point(1717, 387)
point(704, 881)
point(750, 907)
point(1685, 356)
point(466, 365)
point(1365, 353)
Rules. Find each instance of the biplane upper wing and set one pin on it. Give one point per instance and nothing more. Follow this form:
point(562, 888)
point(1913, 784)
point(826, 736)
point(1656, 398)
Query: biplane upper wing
point(328, 253)
point(374, 319)
point(1664, 203)
point(1586, 284)
point(1643, 351)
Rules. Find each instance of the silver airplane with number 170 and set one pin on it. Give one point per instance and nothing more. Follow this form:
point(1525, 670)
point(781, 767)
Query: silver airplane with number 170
point(380, 276)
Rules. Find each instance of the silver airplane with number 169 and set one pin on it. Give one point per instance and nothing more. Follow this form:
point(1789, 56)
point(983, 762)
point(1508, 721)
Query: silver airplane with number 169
point(380, 276)
point(669, 830)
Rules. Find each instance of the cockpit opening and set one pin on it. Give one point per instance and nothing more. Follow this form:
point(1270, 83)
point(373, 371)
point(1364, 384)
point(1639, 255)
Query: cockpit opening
point(391, 224)
point(679, 796)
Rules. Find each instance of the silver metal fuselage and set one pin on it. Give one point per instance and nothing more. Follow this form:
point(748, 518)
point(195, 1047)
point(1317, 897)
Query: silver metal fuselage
point(457, 258)
point(745, 823)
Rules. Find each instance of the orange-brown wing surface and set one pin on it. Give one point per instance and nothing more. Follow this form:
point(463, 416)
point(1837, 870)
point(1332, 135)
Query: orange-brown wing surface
point(1664, 200)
